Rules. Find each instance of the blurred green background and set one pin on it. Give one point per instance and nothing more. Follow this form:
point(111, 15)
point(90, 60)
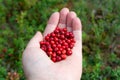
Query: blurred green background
point(20, 19)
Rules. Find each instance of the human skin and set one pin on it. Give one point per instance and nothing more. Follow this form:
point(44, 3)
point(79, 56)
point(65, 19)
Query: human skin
point(38, 66)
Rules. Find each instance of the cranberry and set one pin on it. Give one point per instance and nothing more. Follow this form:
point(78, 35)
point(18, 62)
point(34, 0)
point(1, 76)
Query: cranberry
point(62, 36)
point(47, 38)
point(69, 52)
point(63, 56)
point(64, 51)
point(49, 53)
point(59, 45)
point(42, 43)
point(58, 52)
point(56, 39)
point(53, 34)
point(64, 29)
point(56, 49)
point(50, 49)
point(54, 54)
point(52, 42)
point(58, 58)
point(54, 45)
point(53, 59)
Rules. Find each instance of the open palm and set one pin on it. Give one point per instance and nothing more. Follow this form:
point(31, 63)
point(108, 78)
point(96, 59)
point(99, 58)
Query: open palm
point(38, 66)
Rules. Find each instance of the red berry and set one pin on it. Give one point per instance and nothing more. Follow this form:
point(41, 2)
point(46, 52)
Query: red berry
point(64, 29)
point(64, 51)
point(47, 43)
point(53, 34)
point(67, 34)
point(58, 52)
point(42, 42)
point(54, 55)
point(56, 39)
point(50, 49)
point(65, 44)
point(56, 49)
point(68, 41)
point(71, 46)
point(54, 45)
point(60, 41)
point(59, 45)
point(69, 52)
point(62, 36)
point(53, 59)
point(49, 53)
point(43, 47)
point(58, 58)
point(47, 38)
point(61, 49)
point(52, 42)
point(58, 35)
point(63, 56)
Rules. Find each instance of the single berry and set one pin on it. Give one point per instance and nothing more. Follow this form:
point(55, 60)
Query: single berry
point(53, 59)
point(63, 56)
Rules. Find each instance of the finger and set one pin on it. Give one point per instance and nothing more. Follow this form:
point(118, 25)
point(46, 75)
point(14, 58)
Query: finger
point(70, 17)
point(77, 49)
point(63, 16)
point(52, 23)
point(34, 42)
point(77, 31)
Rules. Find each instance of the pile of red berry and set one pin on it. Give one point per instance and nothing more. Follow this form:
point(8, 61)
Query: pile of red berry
point(58, 44)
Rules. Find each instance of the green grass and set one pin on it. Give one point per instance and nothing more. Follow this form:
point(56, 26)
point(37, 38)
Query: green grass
point(20, 19)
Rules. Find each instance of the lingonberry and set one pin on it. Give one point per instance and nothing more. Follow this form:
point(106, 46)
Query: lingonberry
point(52, 42)
point(54, 45)
point(47, 38)
point(58, 58)
point(64, 51)
point(53, 55)
point(53, 59)
point(60, 41)
point(63, 56)
point(49, 53)
point(42, 43)
point(69, 52)
point(68, 41)
point(58, 52)
point(50, 49)
point(56, 49)
point(58, 44)
point(71, 45)
point(62, 36)
point(61, 49)
point(64, 30)
point(55, 38)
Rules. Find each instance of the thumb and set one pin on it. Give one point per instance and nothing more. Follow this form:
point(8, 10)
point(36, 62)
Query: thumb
point(33, 54)
point(34, 42)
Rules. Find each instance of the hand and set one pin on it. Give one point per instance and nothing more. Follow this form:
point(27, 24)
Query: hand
point(38, 66)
